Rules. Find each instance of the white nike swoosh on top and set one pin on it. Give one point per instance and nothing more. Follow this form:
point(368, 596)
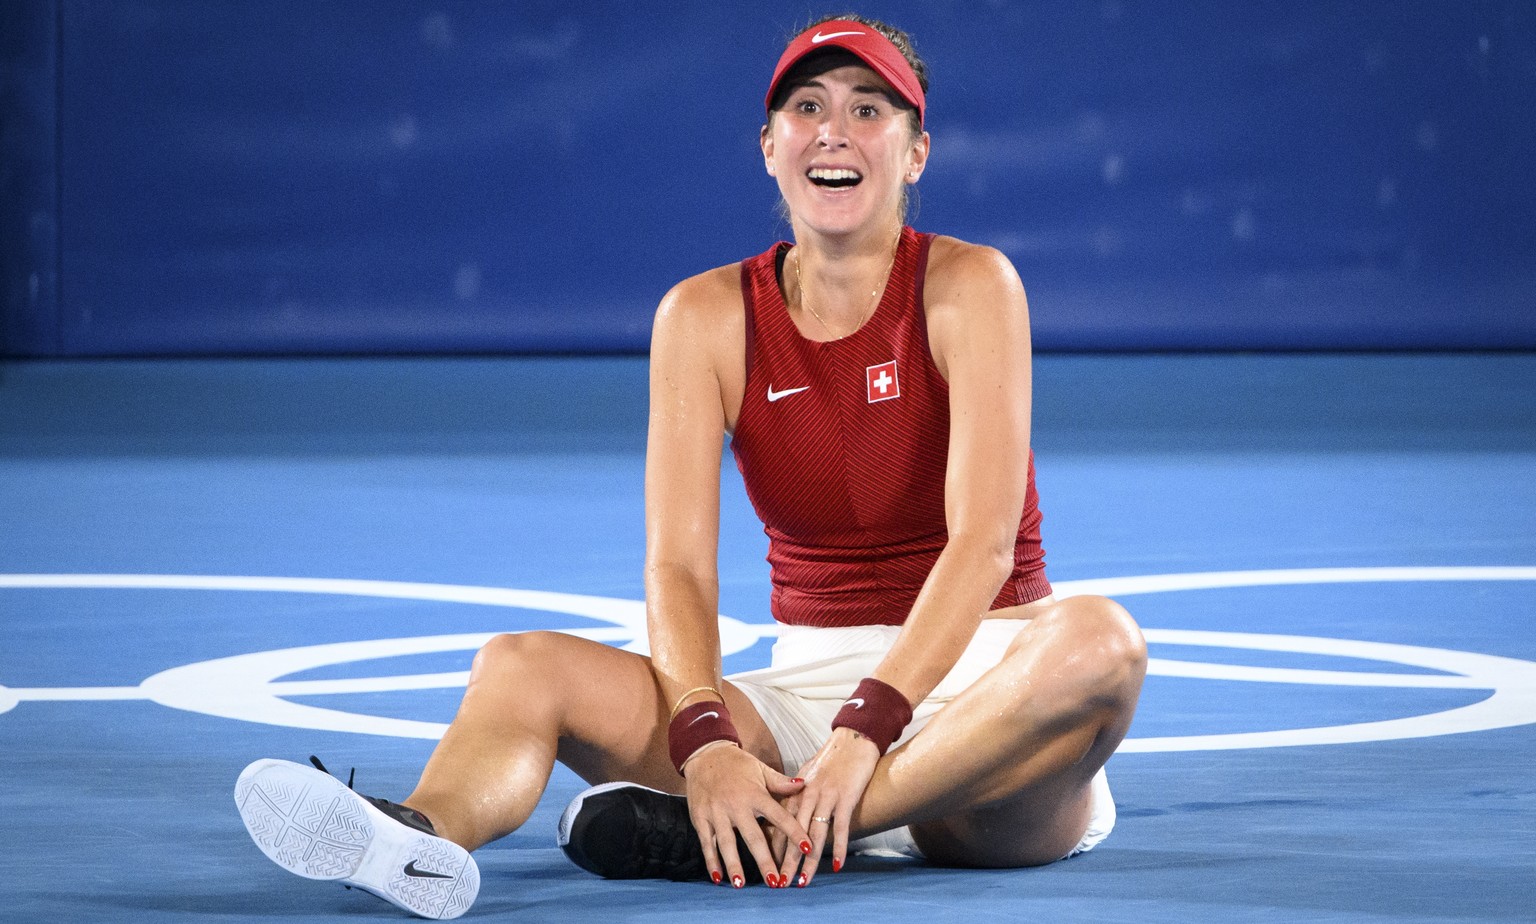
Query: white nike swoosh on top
point(704, 716)
point(818, 38)
point(776, 395)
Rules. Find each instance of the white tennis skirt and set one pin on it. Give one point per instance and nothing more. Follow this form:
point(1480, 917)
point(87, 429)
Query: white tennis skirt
point(813, 671)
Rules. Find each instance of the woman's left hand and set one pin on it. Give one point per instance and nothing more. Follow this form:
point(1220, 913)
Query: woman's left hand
point(835, 780)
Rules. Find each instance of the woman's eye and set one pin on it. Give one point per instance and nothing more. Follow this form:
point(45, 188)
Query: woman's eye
point(867, 111)
point(807, 105)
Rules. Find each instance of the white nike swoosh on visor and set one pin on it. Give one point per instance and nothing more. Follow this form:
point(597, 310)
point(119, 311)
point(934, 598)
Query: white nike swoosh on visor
point(818, 38)
point(776, 395)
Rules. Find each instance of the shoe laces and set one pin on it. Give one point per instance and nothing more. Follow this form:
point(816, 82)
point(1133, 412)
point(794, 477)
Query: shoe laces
point(351, 774)
point(403, 814)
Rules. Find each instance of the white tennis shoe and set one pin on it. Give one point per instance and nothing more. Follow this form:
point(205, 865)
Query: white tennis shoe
point(311, 824)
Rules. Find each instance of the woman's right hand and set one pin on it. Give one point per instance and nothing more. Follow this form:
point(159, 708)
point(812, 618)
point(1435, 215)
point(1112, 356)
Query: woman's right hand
point(731, 792)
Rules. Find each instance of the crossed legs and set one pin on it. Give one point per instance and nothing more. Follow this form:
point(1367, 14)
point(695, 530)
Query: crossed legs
point(1000, 777)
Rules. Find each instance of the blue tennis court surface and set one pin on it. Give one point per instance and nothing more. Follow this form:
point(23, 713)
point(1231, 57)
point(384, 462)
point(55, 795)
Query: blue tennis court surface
point(204, 562)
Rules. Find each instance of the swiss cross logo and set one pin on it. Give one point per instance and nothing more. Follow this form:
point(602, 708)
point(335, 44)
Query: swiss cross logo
point(882, 383)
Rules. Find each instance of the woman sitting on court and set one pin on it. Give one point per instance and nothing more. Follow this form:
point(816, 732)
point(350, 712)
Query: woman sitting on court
point(927, 695)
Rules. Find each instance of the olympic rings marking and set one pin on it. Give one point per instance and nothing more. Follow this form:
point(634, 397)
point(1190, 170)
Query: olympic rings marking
point(247, 687)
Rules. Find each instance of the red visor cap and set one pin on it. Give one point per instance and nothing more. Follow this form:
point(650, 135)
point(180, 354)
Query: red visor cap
point(874, 49)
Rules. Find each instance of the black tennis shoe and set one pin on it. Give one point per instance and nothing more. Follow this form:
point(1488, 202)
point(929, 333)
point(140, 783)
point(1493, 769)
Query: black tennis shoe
point(629, 831)
point(310, 824)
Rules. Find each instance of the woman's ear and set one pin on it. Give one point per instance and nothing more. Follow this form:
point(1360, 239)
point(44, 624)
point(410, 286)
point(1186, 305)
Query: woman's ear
point(917, 160)
point(765, 140)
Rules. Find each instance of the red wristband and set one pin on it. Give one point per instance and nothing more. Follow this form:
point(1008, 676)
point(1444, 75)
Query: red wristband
point(696, 726)
point(877, 711)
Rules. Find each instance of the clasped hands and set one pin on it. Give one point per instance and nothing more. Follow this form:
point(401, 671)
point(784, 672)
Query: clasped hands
point(784, 823)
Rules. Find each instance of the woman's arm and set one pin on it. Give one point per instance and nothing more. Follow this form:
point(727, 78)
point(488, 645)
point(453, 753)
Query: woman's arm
point(978, 322)
point(682, 495)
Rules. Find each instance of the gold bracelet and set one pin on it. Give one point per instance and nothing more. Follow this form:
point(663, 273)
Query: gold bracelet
point(684, 698)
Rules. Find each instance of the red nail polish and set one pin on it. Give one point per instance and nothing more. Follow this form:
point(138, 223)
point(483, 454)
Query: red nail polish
point(737, 881)
point(837, 865)
point(805, 847)
point(802, 880)
point(797, 780)
point(715, 875)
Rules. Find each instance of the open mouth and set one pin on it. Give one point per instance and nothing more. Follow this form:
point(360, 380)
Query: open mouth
point(830, 178)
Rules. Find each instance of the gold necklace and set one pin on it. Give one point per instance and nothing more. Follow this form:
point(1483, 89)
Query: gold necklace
point(873, 294)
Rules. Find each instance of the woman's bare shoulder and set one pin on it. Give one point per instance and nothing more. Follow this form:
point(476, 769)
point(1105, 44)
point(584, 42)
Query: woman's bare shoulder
point(705, 296)
point(963, 272)
point(957, 265)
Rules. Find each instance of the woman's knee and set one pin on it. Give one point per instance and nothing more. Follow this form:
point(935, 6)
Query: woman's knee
point(516, 654)
point(1097, 635)
point(1114, 631)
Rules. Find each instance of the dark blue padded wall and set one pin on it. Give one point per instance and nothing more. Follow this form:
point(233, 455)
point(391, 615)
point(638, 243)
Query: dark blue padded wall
point(29, 205)
point(183, 177)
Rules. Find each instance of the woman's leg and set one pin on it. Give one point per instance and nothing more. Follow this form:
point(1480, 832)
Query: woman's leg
point(1002, 775)
point(537, 697)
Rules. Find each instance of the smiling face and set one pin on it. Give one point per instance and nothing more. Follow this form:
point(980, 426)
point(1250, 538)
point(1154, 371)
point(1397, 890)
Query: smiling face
point(842, 148)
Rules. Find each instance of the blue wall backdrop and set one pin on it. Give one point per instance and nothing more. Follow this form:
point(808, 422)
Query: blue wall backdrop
point(183, 177)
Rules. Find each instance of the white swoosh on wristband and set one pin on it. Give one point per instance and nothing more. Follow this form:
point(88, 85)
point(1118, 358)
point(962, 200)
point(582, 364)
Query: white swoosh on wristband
point(857, 702)
point(701, 718)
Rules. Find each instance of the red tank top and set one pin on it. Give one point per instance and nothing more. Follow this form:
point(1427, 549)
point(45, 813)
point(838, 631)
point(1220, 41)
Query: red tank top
point(842, 447)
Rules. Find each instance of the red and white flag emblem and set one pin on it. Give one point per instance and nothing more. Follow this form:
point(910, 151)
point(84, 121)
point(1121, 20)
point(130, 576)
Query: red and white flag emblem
point(882, 383)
